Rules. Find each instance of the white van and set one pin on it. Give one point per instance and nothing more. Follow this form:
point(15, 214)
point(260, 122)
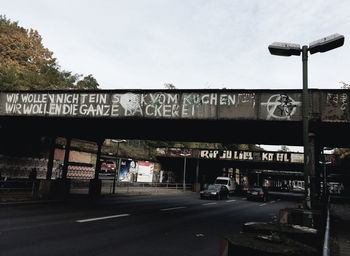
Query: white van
point(228, 182)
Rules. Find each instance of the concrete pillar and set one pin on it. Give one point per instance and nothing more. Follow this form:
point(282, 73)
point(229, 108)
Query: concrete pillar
point(98, 159)
point(96, 184)
point(319, 170)
point(66, 158)
point(197, 185)
point(312, 169)
point(51, 158)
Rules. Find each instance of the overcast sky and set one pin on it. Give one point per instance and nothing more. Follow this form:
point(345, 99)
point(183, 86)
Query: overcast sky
point(192, 44)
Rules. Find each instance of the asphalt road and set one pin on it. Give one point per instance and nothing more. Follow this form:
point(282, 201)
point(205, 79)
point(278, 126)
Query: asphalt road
point(138, 225)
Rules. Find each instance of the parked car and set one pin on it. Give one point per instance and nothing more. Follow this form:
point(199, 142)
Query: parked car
point(108, 166)
point(258, 193)
point(215, 191)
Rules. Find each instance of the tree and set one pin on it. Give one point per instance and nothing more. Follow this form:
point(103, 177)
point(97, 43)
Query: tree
point(284, 149)
point(25, 64)
point(345, 85)
point(169, 86)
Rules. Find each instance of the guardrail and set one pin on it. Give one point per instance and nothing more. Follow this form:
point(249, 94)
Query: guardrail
point(26, 187)
point(82, 186)
point(326, 249)
point(129, 187)
point(17, 189)
point(16, 184)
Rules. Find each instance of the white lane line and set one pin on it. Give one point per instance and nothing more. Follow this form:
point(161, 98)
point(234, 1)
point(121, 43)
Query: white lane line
point(209, 204)
point(278, 200)
point(262, 204)
point(229, 201)
point(272, 202)
point(174, 208)
point(103, 218)
point(244, 198)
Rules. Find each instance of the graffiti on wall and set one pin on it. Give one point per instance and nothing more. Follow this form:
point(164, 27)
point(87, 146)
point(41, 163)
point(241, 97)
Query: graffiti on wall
point(336, 107)
point(281, 107)
point(224, 104)
point(154, 105)
point(241, 155)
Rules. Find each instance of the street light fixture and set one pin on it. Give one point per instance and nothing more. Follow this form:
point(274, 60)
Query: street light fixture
point(322, 45)
point(117, 169)
point(326, 44)
point(284, 49)
point(287, 49)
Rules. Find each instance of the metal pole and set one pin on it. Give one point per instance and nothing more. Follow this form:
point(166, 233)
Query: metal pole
point(184, 179)
point(306, 128)
point(116, 168)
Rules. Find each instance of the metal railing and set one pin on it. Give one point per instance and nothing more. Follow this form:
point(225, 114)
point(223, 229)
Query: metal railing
point(129, 187)
point(17, 189)
point(27, 188)
point(326, 249)
point(82, 186)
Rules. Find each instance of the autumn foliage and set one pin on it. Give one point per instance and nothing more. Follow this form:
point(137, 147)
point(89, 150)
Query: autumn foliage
point(25, 64)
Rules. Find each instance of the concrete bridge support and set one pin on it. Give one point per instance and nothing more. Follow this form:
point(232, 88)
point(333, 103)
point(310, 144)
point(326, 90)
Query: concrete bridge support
point(96, 184)
point(59, 188)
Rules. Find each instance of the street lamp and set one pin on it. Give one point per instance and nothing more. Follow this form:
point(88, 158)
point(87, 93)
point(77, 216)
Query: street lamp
point(184, 179)
point(287, 49)
point(117, 169)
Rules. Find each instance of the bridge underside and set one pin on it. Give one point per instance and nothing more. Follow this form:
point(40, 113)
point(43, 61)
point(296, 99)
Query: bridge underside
point(226, 131)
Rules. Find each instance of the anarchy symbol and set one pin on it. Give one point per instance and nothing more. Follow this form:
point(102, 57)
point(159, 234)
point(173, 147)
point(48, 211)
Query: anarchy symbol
point(280, 106)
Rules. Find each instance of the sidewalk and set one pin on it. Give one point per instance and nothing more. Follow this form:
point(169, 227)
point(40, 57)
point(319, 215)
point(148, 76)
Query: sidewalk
point(15, 197)
point(340, 229)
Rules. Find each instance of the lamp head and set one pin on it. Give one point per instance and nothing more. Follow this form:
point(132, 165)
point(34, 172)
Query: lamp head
point(284, 49)
point(327, 43)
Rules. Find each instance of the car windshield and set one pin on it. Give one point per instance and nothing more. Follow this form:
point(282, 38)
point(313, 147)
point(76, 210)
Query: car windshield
point(255, 189)
point(214, 187)
point(224, 182)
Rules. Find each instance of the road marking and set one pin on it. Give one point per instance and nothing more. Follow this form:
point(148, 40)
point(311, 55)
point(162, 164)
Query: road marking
point(103, 218)
point(209, 204)
point(174, 208)
point(278, 200)
point(272, 202)
point(244, 198)
point(262, 204)
point(229, 201)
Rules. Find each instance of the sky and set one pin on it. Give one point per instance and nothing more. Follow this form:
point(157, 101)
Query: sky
point(192, 44)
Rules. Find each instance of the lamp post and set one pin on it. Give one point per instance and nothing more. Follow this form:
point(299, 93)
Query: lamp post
point(287, 49)
point(117, 160)
point(184, 178)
